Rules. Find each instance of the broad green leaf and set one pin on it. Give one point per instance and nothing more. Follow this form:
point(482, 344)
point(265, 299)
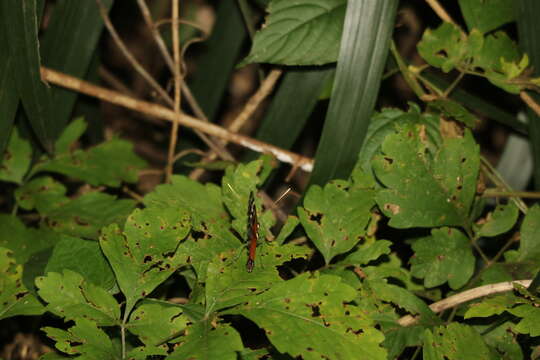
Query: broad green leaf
point(529, 245)
point(23, 241)
point(335, 217)
point(206, 342)
point(444, 256)
point(363, 51)
point(83, 257)
point(154, 323)
point(530, 319)
point(305, 32)
point(287, 229)
point(15, 299)
point(20, 20)
point(366, 253)
point(454, 342)
point(87, 214)
point(502, 219)
point(316, 306)
point(503, 339)
point(16, 159)
point(495, 305)
point(86, 339)
point(423, 191)
point(487, 15)
point(42, 193)
point(146, 253)
point(388, 121)
point(71, 297)
point(108, 164)
point(9, 97)
point(444, 47)
point(454, 110)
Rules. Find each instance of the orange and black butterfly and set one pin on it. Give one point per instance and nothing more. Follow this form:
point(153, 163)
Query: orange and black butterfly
point(252, 232)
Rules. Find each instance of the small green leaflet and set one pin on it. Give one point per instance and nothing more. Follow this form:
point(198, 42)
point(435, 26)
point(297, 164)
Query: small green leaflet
point(502, 219)
point(16, 158)
point(529, 247)
point(444, 256)
point(426, 191)
point(530, 319)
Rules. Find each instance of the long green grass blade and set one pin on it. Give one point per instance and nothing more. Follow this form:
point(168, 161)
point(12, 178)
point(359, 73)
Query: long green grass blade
point(217, 62)
point(9, 98)
point(529, 37)
point(362, 56)
point(68, 46)
point(20, 21)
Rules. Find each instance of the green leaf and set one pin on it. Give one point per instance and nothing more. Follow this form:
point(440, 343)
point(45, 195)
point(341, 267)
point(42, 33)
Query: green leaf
point(495, 305)
point(16, 159)
point(84, 338)
point(501, 220)
point(108, 164)
point(146, 253)
point(529, 248)
point(70, 135)
point(454, 110)
point(363, 51)
point(530, 322)
point(9, 97)
point(304, 32)
point(446, 255)
point(315, 306)
point(15, 299)
point(454, 342)
point(335, 218)
point(287, 229)
point(42, 193)
point(367, 252)
point(487, 15)
point(71, 297)
point(424, 191)
point(144, 352)
point(503, 339)
point(206, 342)
point(20, 20)
point(23, 241)
point(155, 322)
point(83, 257)
point(87, 214)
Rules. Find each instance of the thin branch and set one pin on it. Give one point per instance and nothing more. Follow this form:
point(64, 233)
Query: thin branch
point(510, 194)
point(466, 296)
point(440, 11)
point(73, 83)
point(530, 102)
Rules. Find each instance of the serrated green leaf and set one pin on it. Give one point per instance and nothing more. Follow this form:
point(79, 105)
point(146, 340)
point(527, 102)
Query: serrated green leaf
point(108, 164)
point(205, 342)
point(16, 159)
point(23, 241)
point(495, 305)
point(304, 32)
point(71, 297)
point(502, 219)
point(423, 191)
point(446, 255)
point(146, 253)
point(366, 253)
point(83, 257)
point(444, 47)
point(487, 15)
point(454, 342)
point(87, 214)
point(529, 245)
point(155, 322)
point(84, 338)
point(454, 110)
point(42, 193)
point(20, 20)
point(315, 306)
point(530, 319)
point(15, 299)
point(335, 217)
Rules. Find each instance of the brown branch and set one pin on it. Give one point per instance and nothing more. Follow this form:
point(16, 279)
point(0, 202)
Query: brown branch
point(466, 296)
point(440, 11)
point(73, 83)
point(530, 102)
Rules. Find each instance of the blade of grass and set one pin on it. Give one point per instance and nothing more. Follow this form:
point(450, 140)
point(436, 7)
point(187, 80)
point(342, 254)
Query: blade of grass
point(9, 98)
point(362, 56)
point(20, 21)
point(68, 45)
point(529, 28)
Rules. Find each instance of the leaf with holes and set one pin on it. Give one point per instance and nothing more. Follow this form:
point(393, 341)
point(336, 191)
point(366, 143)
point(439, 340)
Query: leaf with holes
point(335, 217)
point(206, 342)
point(426, 191)
point(146, 253)
point(42, 193)
point(454, 342)
point(446, 255)
point(315, 306)
point(71, 297)
point(304, 32)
